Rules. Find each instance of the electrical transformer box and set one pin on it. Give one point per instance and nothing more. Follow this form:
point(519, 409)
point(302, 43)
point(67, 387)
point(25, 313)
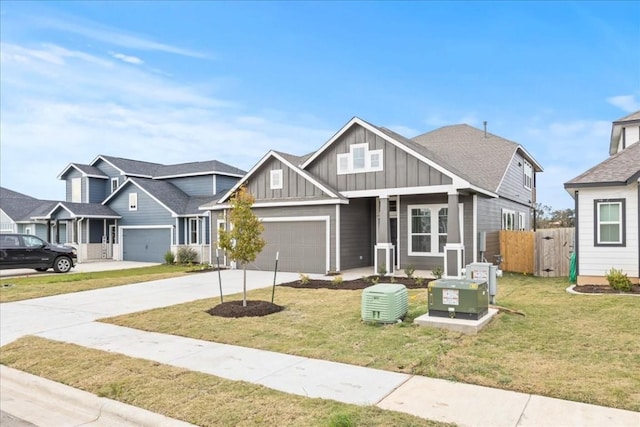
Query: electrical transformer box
point(459, 299)
point(384, 302)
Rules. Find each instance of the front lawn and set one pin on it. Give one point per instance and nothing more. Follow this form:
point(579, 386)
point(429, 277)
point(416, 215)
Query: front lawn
point(21, 288)
point(578, 347)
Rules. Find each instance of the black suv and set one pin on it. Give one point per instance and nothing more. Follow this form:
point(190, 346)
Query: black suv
point(27, 251)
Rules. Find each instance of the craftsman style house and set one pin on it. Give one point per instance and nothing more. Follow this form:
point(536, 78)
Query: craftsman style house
point(371, 197)
point(607, 200)
point(129, 210)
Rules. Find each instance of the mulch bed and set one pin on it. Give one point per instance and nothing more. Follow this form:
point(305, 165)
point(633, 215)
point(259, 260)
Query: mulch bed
point(236, 309)
point(263, 308)
point(604, 289)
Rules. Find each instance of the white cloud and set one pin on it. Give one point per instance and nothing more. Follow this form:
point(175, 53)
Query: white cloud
point(627, 103)
point(127, 58)
point(61, 105)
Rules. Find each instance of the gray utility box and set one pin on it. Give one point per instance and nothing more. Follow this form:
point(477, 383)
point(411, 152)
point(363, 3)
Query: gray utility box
point(384, 303)
point(484, 272)
point(459, 299)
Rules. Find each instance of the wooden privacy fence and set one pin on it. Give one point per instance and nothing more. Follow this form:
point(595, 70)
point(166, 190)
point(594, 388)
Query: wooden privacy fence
point(542, 253)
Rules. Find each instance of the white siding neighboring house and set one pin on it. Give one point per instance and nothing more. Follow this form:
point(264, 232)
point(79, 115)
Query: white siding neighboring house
point(607, 200)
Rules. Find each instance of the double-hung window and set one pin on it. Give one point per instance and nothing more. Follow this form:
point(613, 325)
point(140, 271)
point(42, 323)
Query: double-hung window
point(609, 222)
point(193, 231)
point(528, 175)
point(428, 227)
point(508, 219)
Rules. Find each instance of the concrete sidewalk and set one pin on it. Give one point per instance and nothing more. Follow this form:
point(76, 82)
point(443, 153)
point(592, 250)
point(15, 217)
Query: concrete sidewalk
point(70, 318)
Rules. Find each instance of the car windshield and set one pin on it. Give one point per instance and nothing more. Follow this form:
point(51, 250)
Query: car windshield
point(32, 241)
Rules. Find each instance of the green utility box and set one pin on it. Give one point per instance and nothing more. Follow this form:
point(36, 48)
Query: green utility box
point(384, 303)
point(459, 299)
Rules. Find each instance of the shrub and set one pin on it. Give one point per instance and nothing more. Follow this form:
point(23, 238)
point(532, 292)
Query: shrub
point(382, 270)
point(418, 280)
point(437, 272)
point(187, 255)
point(169, 257)
point(337, 280)
point(618, 280)
point(409, 270)
point(304, 279)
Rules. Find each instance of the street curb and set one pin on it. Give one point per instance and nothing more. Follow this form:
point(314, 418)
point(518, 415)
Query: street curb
point(30, 397)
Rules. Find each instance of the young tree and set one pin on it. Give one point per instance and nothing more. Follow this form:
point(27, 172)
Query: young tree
point(243, 242)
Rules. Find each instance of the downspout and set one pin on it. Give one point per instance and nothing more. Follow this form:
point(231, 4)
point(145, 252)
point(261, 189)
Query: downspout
point(576, 226)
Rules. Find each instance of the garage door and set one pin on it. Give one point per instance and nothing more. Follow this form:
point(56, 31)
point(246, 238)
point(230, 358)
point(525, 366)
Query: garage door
point(146, 244)
point(302, 246)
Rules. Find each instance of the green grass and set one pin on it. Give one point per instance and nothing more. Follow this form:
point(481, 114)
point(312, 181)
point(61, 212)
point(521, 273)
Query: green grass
point(582, 348)
point(21, 288)
point(194, 397)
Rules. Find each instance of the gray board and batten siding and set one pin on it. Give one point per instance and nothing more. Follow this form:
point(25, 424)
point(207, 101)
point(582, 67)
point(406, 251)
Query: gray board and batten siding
point(294, 185)
point(400, 169)
point(357, 233)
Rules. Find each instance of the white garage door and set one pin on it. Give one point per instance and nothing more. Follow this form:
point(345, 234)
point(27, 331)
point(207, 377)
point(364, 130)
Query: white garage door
point(145, 244)
point(302, 246)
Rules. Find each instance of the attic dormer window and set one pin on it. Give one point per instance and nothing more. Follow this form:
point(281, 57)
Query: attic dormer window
point(276, 179)
point(359, 159)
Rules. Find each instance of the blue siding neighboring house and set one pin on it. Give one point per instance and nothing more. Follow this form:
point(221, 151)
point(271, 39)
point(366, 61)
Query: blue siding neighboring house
point(127, 209)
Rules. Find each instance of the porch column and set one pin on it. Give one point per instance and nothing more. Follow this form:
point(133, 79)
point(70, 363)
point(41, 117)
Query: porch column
point(453, 249)
point(384, 250)
point(48, 230)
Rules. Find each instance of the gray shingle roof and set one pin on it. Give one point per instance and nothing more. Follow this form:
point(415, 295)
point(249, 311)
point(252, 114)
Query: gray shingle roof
point(172, 197)
point(90, 210)
point(631, 117)
point(195, 168)
point(5, 193)
point(133, 167)
point(483, 159)
point(20, 207)
point(620, 169)
point(89, 170)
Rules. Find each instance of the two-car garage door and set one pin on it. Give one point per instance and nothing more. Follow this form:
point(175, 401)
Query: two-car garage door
point(145, 244)
point(302, 246)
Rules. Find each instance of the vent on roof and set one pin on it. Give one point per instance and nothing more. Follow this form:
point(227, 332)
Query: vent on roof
point(485, 128)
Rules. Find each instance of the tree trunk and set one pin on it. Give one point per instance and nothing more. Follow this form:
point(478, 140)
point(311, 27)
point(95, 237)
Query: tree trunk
point(244, 286)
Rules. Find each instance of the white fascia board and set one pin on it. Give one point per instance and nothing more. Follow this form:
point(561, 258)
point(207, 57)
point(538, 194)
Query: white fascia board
point(458, 181)
point(129, 180)
point(405, 191)
point(530, 159)
point(262, 161)
point(71, 165)
point(281, 204)
point(242, 180)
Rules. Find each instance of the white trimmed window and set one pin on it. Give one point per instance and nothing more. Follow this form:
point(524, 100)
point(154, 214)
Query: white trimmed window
point(193, 231)
point(609, 225)
point(528, 175)
point(133, 201)
point(276, 179)
point(359, 159)
point(76, 190)
point(114, 184)
point(428, 229)
point(522, 225)
point(508, 219)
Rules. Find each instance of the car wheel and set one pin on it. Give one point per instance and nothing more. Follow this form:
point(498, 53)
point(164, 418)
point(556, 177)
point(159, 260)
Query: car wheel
point(41, 269)
point(62, 264)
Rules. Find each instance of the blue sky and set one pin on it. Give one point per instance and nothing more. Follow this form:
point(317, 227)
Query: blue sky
point(176, 82)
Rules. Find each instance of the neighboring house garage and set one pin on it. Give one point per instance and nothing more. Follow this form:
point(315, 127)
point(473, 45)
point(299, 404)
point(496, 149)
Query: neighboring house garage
point(302, 244)
point(145, 244)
